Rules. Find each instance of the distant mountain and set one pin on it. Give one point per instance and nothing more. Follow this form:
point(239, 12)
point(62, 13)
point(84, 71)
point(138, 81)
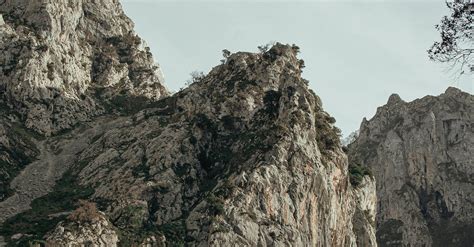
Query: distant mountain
point(421, 154)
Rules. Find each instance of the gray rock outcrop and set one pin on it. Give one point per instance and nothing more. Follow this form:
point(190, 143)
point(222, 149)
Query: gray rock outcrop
point(421, 154)
point(61, 60)
point(244, 156)
point(99, 233)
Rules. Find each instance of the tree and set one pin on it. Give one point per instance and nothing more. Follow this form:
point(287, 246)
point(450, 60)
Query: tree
point(196, 76)
point(457, 37)
point(226, 54)
point(86, 213)
point(264, 48)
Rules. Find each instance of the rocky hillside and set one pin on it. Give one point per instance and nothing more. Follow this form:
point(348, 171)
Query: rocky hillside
point(421, 154)
point(62, 61)
point(245, 155)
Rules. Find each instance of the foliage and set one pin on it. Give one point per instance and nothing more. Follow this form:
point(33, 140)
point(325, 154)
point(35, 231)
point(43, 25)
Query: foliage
point(196, 76)
point(272, 102)
point(37, 221)
point(216, 204)
point(327, 135)
point(357, 173)
point(226, 54)
point(133, 226)
point(295, 48)
point(174, 233)
point(457, 37)
point(264, 48)
point(130, 104)
point(86, 213)
point(301, 64)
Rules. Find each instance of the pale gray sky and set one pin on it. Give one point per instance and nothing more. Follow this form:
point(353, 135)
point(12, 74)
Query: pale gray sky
point(356, 53)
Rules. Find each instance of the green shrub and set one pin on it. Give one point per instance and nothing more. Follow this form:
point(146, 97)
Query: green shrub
point(86, 213)
point(216, 204)
point(327, 135)
point(175, 233)
point(37, 221)
point(357, 173)
point(130, 104)
point(272, 102)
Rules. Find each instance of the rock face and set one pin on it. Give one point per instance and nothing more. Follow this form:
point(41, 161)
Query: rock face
point(244, 156)
point(97, 233)
point(17, 150)
point(61, 60)
point(421, 154)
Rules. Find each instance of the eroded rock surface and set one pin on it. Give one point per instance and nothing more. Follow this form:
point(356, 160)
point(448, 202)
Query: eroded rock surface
point(244, 156)
point(421, 154)
point(61, 60)
point(55, 157)
point(99, 233)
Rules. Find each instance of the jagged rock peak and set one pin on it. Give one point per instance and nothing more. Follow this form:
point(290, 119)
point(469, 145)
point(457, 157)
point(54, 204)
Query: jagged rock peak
point(453, 91)
point(394, 99)
point(244, 156)
point(61, 60)
point(421, 156)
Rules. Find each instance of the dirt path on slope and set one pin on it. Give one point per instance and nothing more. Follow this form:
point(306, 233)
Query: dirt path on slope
point(39, 177)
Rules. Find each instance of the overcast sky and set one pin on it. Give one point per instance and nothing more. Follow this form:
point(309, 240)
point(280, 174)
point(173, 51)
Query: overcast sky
point(356, 53)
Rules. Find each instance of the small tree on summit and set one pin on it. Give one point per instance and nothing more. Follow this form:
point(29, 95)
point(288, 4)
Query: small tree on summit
point(226, 54)
point(457, 37)
point(196, 76)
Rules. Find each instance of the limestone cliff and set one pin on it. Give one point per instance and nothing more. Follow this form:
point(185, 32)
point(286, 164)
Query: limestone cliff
point(421, 154)
point(244, 156)
point(95, 232)
point(60, 60)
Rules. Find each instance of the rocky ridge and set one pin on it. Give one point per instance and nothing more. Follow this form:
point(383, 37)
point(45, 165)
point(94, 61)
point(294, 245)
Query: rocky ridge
point(246, 155)
point(62, 61)
point(85, 226)
point(421, 154)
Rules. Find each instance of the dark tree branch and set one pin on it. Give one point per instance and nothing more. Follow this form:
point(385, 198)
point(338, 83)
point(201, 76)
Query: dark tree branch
point(457, 37)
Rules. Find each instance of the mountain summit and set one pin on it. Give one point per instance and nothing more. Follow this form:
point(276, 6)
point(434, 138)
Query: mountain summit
point(94, 150)
point(101, 154)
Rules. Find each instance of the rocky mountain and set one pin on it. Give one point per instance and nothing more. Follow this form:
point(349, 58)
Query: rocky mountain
point(62, 61)
point(244, 156)
point(421, 154)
